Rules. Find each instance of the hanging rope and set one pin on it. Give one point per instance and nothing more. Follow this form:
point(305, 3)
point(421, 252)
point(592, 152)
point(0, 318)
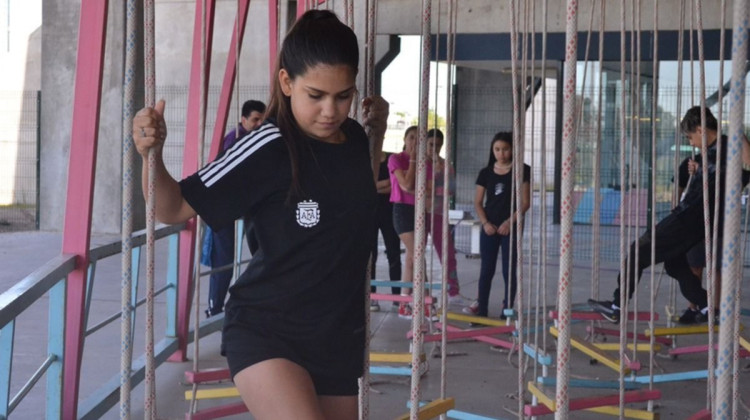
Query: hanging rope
point(419, 222)
point(370, 32)
point(654, 107)
point(731, 261)
point(623, 239)
point(567, 210)
point(150, 75)
point(543, 185)
point(596, 267)
point(450, 61)
point(128, 108)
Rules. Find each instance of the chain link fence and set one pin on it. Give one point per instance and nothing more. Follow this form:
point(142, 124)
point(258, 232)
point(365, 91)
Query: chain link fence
point(19, 160)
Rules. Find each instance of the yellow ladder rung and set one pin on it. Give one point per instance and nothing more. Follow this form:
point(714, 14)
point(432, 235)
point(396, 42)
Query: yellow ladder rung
point(394, 357)
point(684, 330)
point(213, 393)
point(594, 353)
point(433, 409)
point(744, 343)
point(475, 319)
point(616, 346)
point(630, 413)
point(541, 396)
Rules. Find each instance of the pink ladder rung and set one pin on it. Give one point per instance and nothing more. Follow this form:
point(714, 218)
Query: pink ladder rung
point(207, 375)
point(483, 338)
point(593, 402)
point(463, 334)
point(428, 300)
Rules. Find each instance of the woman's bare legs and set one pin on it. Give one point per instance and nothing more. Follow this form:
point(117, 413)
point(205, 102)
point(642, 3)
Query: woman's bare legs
point(281, 389)
point(407, 238)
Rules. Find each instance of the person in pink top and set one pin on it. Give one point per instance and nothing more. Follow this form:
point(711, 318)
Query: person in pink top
point(402, 168)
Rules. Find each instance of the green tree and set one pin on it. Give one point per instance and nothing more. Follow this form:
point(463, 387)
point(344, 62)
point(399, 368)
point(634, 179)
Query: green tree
point(431, 115)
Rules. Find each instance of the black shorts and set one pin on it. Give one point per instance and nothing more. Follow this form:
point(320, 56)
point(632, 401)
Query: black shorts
point(334, 364)
point(403, 217)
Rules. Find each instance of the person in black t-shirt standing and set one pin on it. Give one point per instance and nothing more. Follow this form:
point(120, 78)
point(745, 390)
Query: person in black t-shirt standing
point(294, 326)
point(492, 202)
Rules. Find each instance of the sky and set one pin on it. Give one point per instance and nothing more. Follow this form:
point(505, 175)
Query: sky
point(401, 89)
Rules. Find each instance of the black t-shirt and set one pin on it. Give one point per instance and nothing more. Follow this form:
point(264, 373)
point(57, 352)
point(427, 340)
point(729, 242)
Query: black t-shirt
point(690, 209)
point(309, 270)
point(498, 192)
point(384, 200)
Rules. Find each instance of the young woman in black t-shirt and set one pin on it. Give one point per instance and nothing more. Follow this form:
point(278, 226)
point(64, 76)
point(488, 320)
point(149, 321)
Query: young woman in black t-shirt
point(294, 327)
point(492, 202)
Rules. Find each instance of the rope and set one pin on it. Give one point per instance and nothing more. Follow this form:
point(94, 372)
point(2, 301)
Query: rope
point(596, 267)
point(567, 210)
point(419, 222)
point(532, 242)
point(679, 139)
point(128, 108)
point(370, 29)
point(579, 119)
point(706, 211)
point(636, 157)
point(624, 280)
point(731, 260)
point(450, 60)
point(543, 186)
point(150, 75)
point(654, 105)
point(518, 138)
point(737, 400)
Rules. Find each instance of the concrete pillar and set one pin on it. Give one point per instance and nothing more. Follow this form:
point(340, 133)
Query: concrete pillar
point(60, 20)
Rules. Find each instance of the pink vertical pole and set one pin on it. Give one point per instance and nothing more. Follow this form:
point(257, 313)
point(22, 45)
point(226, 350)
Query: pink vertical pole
point(189, 166)
point(78, 206)
point(273, 37)
point(227, 87)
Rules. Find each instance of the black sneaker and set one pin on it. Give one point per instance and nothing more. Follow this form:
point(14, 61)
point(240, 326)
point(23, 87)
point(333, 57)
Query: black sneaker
point(691, 316)
point(604, 307)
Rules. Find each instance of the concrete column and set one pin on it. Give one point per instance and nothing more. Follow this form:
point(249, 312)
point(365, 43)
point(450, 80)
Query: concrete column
point(60, 20)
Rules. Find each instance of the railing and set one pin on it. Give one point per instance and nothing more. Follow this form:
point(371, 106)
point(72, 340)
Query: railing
point(50, 281)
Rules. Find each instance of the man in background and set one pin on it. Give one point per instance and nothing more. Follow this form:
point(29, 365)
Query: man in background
point(222, 241)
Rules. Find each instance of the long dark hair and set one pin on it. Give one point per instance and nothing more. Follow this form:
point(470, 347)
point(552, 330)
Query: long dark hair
point(504, 136)
point(318, 37)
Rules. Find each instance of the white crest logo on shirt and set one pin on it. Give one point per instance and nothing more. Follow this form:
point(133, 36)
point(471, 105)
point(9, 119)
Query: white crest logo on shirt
point(308, 213)
point(499, 188)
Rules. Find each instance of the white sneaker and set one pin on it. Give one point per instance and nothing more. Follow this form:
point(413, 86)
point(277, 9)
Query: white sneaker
point(457, 300)
point(472, 309)
point(374, 306)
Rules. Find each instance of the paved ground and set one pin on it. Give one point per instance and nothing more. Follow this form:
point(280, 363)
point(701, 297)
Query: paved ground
point(483, 380)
